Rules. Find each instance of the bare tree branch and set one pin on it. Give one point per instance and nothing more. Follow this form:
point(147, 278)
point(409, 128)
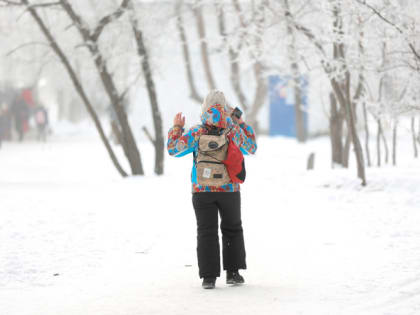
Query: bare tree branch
point(307, 32)
point(243, 25)
point(14, 50)
point(186, 54)
point(7, 3)
point(109, 18)
point(80, 24)
point(395, 26)
point(201, 28)
point(41, 5)
point(234, 61)
point(129, 145)
point(151, 91)
point(258, 18)
point(76, 82)
point(148, 135)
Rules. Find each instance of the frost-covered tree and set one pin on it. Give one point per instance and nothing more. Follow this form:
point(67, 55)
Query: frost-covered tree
point(236, 36)
point(99, 43)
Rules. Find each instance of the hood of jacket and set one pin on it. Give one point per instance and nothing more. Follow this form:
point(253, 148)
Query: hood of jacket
point(217, 115)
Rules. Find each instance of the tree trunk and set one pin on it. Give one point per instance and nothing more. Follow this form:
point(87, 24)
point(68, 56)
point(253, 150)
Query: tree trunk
point(366, 125)
point(129, 144)
point(336, 132)
point(347, 146)
point(349, 100)
point(344, 97)
point(381, 136)
point(350, 119)
point(378, 143)
point(77, 84)
point(151, 89)
point(413, 133)
point(186, 55)
point(261, 87)
point(385, 145)
point(361, 91)
point(301, 133)
point(394, 143)
point(234, 61)
point(418, 134)
point(116, 133)
point(74, 109)
point(342, 109)
point(260, 96)
point(204, 48)
point(128, 141)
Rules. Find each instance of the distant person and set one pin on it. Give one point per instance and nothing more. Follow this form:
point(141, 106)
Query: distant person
point(41, 120)
point(20, 111)
point(217, 144)
point(8, 125)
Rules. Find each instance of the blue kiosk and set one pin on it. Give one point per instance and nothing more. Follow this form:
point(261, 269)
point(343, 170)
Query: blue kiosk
point(282, 106)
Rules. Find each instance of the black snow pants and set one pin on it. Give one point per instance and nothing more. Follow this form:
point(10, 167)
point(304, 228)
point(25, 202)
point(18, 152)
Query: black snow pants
point(207, 206)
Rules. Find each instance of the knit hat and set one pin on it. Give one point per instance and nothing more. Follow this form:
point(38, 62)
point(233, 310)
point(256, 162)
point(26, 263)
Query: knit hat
point(214, 97)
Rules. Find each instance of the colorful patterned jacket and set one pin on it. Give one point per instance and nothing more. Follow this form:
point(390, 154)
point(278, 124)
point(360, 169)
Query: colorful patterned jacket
point(180, 143)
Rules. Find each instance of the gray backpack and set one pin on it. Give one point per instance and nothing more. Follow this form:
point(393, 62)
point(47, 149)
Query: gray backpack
point(212, 151)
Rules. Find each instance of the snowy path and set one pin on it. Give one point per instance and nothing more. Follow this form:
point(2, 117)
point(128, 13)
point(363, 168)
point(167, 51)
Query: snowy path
point(76, 239)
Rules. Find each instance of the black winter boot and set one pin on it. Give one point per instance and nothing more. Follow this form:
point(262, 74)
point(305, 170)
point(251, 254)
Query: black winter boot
point(233, 277)
point(209, 283)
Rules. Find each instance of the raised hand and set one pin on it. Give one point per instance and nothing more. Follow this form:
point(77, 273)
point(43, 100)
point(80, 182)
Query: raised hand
point(179, 120)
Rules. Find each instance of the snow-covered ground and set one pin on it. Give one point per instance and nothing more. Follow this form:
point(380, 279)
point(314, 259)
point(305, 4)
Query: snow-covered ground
point(76, 239)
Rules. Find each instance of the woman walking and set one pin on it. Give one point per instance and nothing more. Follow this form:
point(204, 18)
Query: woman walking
point(215, 187)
